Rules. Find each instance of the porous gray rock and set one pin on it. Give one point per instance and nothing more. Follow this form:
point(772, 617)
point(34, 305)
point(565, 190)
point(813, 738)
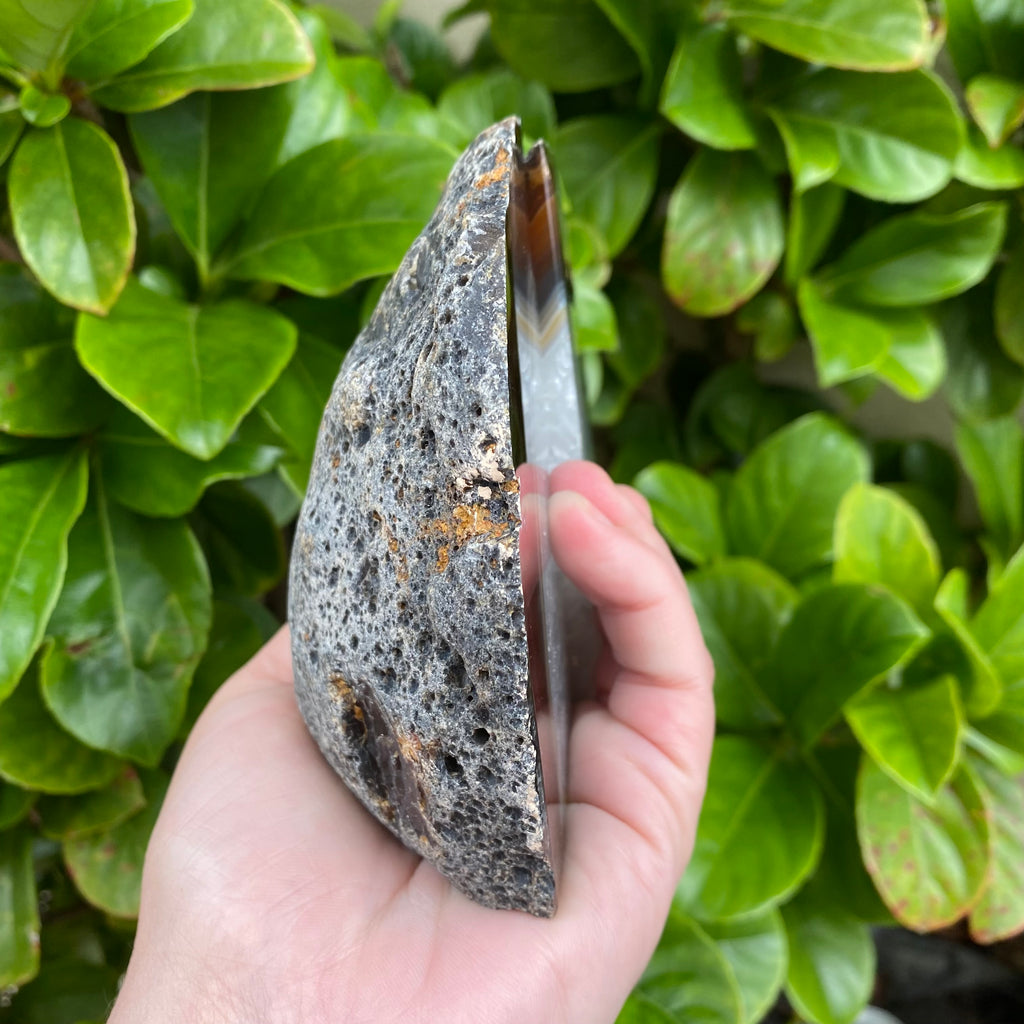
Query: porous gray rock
point(406, 599)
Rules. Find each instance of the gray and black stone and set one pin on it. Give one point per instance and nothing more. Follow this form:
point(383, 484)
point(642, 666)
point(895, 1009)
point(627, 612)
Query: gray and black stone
point(406, 597)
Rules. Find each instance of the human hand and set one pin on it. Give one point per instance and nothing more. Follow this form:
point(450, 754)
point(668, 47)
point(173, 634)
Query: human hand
point(270, 895)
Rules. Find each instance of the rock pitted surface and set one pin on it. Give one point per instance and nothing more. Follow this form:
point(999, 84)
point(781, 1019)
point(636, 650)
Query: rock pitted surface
point(406, 598)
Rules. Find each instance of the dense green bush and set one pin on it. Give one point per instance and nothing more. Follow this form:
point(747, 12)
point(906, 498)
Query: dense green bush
point(202, 200)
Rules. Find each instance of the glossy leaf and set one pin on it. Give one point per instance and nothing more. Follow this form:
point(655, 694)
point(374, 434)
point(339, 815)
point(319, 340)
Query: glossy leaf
point(848, 342)
point(997, 106)
point(44, 392)
point(609, 164)
point(649, 28)
point(831, 960)
point(68, 988)
point(477, 101)
point(107, 867)
point(40, 499)
point(36, 36)
point(918, 258)
point(594, 328)
point(999, 622)
point(206, 366)
point(813, 217)
point(116, 34)
point(784, 498)
point(11, 125)
point(839, 640)
point(985, 35)
point(225, 44)
point(812, 150)
point(912, 731)
point(724, 234)
point(1009, 308)
point(742, 606)
point(897, 135)
point(15, 803)
point(880, 538)
point(867, 35)
point(992, 453)
point(143, 472)
point(19, 909)
point(999, 913)
point(130, 627)
point(72, 213)
point(686, 510)
point(760, 832)
point(642, 330)
point(689, 977)
point(342, 212)
point(770, 317)
point(756, 950)
point(43, 109)
point(915, 364)
point(567, 45)
point(65, 818)
point(928, 862)
point(996, 169)
point(703, 91)
point(36, 753)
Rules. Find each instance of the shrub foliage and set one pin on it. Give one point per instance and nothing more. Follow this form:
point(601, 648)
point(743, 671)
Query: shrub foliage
point(202, 200)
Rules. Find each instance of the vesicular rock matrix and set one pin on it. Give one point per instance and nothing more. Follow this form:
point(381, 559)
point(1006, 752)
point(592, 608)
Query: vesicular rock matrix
point(406, 598)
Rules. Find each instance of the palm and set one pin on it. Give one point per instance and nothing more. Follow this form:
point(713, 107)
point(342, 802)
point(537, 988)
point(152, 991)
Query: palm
point(294, 884)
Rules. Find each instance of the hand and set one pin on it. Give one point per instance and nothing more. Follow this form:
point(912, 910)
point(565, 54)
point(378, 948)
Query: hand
point(271, 896)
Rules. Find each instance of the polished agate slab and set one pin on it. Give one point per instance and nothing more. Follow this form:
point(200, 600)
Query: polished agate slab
point(434, 640)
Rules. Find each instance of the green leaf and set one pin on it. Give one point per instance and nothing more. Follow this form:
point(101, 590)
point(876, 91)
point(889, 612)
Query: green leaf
point(812, 150)
point(375, 101)
point(896, 134)
point(15, 803)
point(143, 472)
point(475, 102)
point(839, 640)
point(226, 44)
point(40, 499)
point(986, 687)
point(342, 212)
point(770, 317)
point(760, 832)
point(985, 35)
point(689, 977)
point(881, 538)
point(913, 732)
point(205, 366)
point(917, 258)
point(36, 753)
point(43, 109)
point(130, 627)
point(294, 406)
point(848, 342)
point(928, 862)
point(11, 125)
point(72, 213)
point(983, 167)
point(1009, 308)
point(724, 234)
point(107, 867)
point(640, 1010)
point(19, 909)
point(831, 960)
point(813, 217)
point(742, 606)
point(35, 36)
point(241, 541)
point(240, 628)
point(755, 948)
point(997, 106)
point(649, 28)
point(119, 33)
point(609, 164)
point(784, 498)
point(44, 392)
point(999, 622)
point(999, 913)
point(686, 510)
point(68, 988)
point(73, 817)
point(642, 330)
point(703, 91)
point(866, 35)
point(992, 453)
point(983, 382)
point(594, 328)
point(569, 45)
point(915, 364)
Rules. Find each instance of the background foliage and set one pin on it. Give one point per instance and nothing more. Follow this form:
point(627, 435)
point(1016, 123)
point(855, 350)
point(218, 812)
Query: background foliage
point(203, 198)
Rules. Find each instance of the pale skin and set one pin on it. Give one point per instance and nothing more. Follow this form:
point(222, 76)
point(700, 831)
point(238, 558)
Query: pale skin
point(270, 896)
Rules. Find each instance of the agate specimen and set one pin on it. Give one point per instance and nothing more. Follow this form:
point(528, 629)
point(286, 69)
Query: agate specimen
point(432, 635)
